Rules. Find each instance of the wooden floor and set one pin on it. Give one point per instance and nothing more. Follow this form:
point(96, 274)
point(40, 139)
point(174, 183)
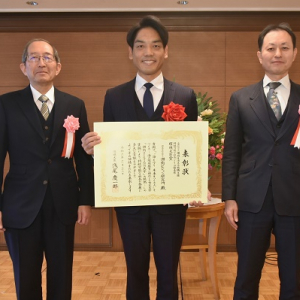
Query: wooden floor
point(102, 276)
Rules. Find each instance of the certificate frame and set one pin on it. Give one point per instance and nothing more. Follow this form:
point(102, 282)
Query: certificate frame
point(150, 163)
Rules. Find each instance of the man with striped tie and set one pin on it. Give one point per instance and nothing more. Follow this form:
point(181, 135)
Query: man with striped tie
point(44, 194)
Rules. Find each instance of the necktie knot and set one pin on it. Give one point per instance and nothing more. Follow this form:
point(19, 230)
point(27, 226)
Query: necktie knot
point(148, 85)
point(43, 98)
point(44, 108)
point(274, 85)
point(148, 100)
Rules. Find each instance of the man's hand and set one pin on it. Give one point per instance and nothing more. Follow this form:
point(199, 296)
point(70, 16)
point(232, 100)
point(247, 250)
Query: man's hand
point(90, 140)
point(231, 213)
point(1, 224)
point(199, 203)
point(84, 214)
point(195, 203)
point(208, 195)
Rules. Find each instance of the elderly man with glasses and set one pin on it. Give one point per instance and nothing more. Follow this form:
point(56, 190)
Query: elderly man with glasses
point(44, 194)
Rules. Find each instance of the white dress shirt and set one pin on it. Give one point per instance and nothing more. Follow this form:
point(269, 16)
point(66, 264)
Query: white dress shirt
point(36, 95)
point(283, 91)
point(157, 89)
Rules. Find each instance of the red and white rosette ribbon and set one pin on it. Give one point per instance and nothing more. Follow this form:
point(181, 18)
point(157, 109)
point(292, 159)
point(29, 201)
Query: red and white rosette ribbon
point(296, 138)
point(71, 124)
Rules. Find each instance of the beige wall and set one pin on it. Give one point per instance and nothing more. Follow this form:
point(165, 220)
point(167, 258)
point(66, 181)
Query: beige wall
point(210, 52)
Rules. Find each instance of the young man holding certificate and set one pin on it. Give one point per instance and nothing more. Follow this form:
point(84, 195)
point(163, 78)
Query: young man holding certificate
point(142, 99)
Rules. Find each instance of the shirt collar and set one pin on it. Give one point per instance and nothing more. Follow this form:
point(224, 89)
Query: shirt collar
point(36, 94)
point(158, 82)
point(285, 81)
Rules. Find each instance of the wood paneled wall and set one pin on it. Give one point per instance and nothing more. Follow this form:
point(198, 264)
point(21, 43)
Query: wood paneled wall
point(211, 52)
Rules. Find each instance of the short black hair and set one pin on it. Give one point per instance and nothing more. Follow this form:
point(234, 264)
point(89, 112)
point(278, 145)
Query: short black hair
point(282, 26)
point(152, 22)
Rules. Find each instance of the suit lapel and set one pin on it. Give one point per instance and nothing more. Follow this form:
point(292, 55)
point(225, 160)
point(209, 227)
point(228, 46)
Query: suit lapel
point(61, 105)
point(292, 115)
point(29, 109)
point(169, 92)
point(129, 99)
point(258, 104)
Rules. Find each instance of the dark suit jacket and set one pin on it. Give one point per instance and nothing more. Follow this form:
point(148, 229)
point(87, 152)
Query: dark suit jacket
point(119, 107)
point(34, 165)
point(254, 156)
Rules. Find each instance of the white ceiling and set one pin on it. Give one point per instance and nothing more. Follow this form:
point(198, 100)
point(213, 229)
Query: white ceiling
point(147, 5)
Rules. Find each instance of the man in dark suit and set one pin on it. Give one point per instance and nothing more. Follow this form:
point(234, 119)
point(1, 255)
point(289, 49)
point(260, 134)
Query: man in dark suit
point(261, 168)
point(44, 194)
point(148, 48)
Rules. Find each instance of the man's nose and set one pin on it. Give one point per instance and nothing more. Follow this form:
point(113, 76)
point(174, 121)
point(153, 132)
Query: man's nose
point(42, 61)
point(278, 52)
point(148, 50)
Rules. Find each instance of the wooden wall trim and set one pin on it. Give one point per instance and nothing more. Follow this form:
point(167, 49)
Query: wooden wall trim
point(121, 22)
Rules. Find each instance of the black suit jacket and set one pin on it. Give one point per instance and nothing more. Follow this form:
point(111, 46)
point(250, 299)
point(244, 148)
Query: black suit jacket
point(119, 107)
point(34, 165)
point(254, 156)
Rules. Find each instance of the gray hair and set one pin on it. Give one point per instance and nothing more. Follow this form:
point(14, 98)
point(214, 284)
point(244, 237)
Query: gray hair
point(25, 51)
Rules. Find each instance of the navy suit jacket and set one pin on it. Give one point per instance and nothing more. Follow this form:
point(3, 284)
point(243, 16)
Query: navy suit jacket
point(119, 107)
point(254, 156)
point(34, 165)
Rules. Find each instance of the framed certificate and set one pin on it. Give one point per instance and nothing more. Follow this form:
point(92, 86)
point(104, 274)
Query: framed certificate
point(151, 163)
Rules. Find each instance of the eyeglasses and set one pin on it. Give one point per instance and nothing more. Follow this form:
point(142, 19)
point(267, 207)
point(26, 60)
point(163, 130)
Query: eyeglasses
point(36, 58)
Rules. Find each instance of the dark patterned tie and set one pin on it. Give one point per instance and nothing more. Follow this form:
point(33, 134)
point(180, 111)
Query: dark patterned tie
point(273, 99)
point(44, 109)
point(148, 100)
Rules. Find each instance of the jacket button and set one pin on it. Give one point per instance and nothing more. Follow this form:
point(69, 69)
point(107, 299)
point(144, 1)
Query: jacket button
point(49, 161)
point(45, 182)
point(46, 127)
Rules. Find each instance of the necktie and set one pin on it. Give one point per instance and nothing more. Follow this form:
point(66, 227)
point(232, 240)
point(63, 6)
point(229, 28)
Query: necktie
point(273, 99)
point(148, 100)
point(44, 109)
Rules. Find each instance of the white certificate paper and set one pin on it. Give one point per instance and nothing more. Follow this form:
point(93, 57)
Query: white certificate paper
point(151, 163)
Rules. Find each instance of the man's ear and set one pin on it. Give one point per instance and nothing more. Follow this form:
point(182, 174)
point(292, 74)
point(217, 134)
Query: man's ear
point(295, 53)
point(130, 53)
point(166, 51)
point(58, 68)
point(23, 68)
point(259, 56)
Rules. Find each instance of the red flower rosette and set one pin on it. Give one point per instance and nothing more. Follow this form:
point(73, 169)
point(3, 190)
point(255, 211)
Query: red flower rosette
point(174, 112)
point(71, 124)
point(296, 138)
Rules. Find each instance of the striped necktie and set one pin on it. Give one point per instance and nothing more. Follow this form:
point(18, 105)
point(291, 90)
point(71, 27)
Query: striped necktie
point(44, 108)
